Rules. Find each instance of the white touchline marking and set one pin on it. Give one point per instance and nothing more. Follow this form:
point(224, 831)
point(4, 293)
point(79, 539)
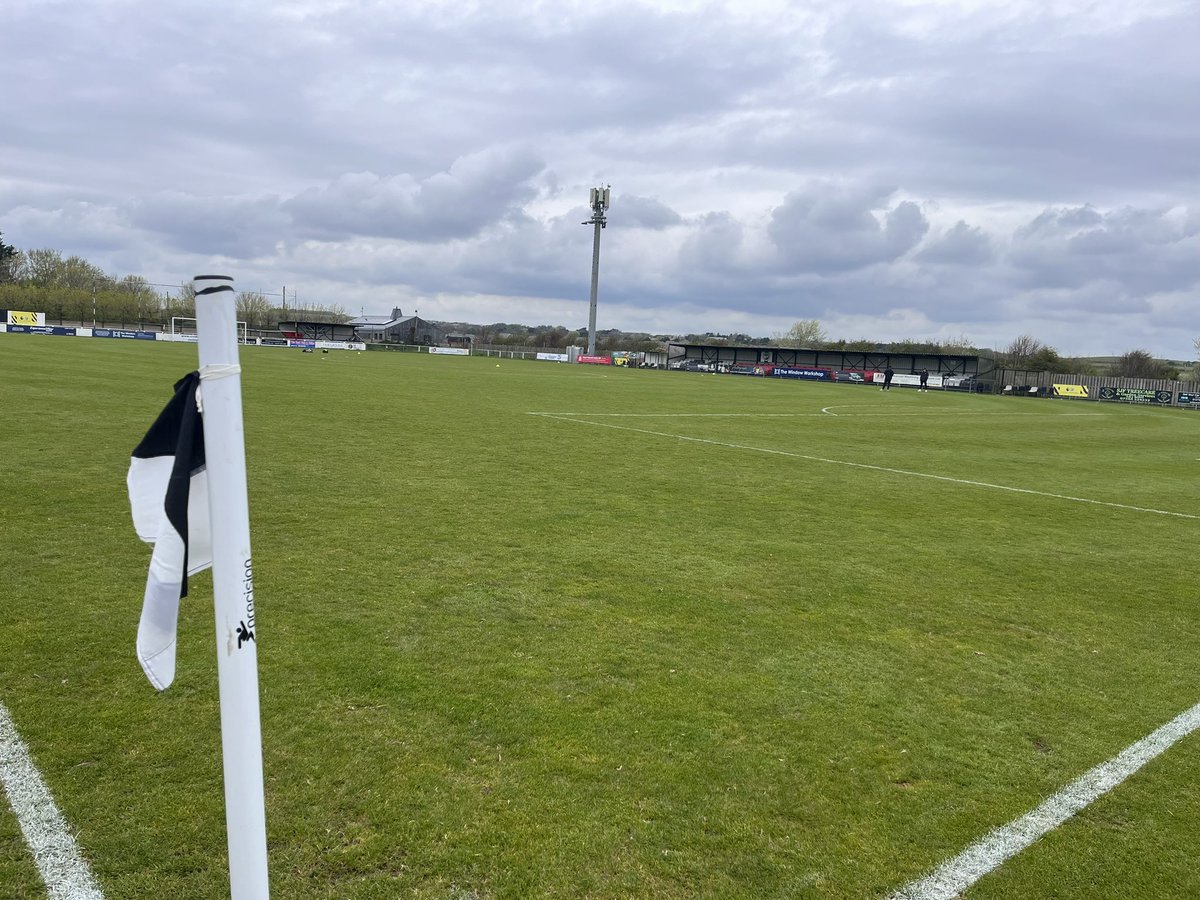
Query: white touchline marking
point(683, 415)
point(63, 869)
point(826, 410)
point(953, 877)
point(896, 414)
point(873, 468)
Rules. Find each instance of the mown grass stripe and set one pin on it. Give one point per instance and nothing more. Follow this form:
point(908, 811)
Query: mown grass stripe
point(873, 468)
point(63, 869)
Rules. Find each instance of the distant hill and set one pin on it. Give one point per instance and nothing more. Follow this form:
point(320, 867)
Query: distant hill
point(1106, 363)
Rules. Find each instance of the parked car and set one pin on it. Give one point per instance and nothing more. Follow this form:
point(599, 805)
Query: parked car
point(693, 365)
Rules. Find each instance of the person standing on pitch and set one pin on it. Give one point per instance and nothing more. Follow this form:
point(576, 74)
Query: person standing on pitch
point(887, 378)
point(924, 381)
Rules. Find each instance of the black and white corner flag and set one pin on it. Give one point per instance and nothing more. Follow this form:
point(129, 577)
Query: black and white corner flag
point(168, 491)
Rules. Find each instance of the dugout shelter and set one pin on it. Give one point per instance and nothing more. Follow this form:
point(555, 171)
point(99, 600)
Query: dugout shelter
point(298, 329)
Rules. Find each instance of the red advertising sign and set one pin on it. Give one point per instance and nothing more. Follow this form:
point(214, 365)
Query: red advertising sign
point(597, 360)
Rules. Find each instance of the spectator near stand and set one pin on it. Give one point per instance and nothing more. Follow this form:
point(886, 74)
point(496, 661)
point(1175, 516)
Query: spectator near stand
point(887, 378)
point(924, 381)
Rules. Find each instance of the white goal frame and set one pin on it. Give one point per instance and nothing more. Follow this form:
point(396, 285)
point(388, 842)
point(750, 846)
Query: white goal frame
point(243, 331)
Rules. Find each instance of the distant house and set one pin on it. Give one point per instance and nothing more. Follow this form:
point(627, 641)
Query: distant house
point(395, 329)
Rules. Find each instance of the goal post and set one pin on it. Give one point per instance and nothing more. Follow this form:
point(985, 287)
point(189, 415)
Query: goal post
point(179, 326)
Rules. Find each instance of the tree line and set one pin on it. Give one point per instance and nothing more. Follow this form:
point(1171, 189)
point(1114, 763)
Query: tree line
point(71, 289)
point(556, 337)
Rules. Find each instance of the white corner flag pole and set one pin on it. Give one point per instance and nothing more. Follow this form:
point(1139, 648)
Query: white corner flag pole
point(233, 586)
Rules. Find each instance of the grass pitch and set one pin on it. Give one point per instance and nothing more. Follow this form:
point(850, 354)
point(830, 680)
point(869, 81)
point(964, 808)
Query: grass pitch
point(549, 630)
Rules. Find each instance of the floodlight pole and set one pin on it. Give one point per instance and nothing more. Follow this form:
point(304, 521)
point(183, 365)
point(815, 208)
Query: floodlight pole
point(599, 202)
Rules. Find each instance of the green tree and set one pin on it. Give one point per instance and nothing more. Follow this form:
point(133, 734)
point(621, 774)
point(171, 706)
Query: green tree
point(143, 303)
point(20, 296)
point(645, 344)
point(80, 304)
point(958, 346)
point(8, 261)
point(806, 333)
point(915, 347)
point(552, 336)
point(53, 302)
point(860, 345)
point(1082, 366)
point(1140, 364)
point(183, 305)
point(254, 309)
point(1029, 354)
point(42, 268)
point(1021, 349)
point(77, 272)
point(314, 312)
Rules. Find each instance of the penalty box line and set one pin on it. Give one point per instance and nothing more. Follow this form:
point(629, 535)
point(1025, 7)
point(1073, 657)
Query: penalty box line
point(868, 466)
point(956, 875)
point(62, 867)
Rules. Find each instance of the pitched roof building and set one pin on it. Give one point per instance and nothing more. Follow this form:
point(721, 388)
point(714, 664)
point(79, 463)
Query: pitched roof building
point(396, 329)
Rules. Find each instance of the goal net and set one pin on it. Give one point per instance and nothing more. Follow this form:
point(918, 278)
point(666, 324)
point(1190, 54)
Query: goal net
point(187, 325)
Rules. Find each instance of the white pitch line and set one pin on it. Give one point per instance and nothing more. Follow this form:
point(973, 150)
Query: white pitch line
point(684, 415)
point(63, 869)
point(817, 415)
point(953, 877)
point(868, 466)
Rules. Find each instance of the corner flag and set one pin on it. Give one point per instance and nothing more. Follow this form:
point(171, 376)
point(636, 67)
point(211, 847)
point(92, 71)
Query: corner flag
point(187, 487)
point(168, 492)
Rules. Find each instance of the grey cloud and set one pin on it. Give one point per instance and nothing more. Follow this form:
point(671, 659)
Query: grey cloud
point(623, 63)
point(1033, 106)
point(79, 228)
point(1146, 251)
point(520, 257)
point(242, 228)
point(829, 229)
point(1053, 222)
point(962, 245)
point(646, 212)
point(712, 248)
point(475, 192)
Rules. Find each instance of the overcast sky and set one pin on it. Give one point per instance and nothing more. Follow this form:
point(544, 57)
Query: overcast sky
point(912, 169)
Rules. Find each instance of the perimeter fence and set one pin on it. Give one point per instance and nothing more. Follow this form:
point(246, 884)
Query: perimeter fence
point(1109, 388)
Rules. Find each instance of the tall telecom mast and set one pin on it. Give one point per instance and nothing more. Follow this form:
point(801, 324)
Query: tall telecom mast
point(598, 200)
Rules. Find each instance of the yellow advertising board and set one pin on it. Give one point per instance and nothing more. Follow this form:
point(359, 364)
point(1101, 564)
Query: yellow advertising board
point(1071, 390)
point(17, 317)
